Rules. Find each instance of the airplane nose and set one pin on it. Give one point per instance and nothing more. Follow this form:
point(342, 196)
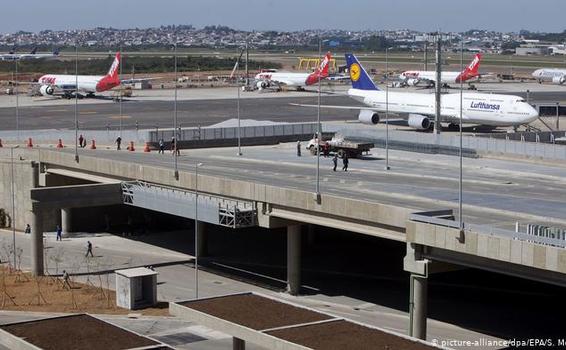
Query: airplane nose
point(533, 113)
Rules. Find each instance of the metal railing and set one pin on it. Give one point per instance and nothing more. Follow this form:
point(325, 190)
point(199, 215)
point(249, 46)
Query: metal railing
point(196, 134)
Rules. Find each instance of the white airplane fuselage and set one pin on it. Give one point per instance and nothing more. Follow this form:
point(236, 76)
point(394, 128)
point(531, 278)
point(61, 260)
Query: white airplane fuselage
point(86, 83)
point(555, 75)
point(484, 109)
point(445, 77)
point(287, 78)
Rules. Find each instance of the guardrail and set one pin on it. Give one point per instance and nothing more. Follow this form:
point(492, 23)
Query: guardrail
point(489, 230)
point(199, 133)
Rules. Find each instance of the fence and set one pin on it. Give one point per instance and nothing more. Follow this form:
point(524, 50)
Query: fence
point(196, 134)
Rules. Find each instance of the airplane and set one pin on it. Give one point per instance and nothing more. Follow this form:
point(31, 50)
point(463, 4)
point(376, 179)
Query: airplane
point(33, 55)
point(419, 109)
point(554, 75)
point(413, 78)
point(270, 78)
point(66, 84)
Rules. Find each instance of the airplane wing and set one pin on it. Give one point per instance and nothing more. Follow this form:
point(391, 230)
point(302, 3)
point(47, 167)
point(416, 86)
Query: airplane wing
point(137, 80)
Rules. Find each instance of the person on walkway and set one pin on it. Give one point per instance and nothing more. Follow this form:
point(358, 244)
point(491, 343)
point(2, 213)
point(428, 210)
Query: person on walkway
point(118, 143)
point(28, 229)
point(335, 161)
point(59, 233)
point(298, 148)
point(81, 140)
point(89, 249)
point(66, 280)
point(326, 149)
point(175, 147)
point(161, 146)
point(345, 162)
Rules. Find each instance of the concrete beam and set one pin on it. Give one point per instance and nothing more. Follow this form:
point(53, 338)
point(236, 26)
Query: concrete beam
point(293, 259)
point(77, 196)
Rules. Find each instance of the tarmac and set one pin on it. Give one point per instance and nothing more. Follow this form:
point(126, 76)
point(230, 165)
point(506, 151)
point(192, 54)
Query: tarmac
point(205, 106)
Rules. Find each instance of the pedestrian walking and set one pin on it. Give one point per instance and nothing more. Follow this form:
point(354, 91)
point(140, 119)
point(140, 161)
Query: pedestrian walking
point(28, 229)
point(81, 140)
point(118, 143)
point(59, 233)
point(161, 146)
point(89, 249)
point(298, 148)
point(345, 162)
point(326, 149)
point(174, 147)
point(335, 161)
point(66, 280)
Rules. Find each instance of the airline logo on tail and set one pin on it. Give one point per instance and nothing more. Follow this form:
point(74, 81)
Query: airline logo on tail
point(358, 75)
point(321, 72)
point(113, 72)
point(471, 71)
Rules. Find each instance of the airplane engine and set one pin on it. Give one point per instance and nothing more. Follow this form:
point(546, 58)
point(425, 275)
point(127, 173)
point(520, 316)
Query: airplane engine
point(419, 122)
point(46, 90)
point(262, 85)
point(368, 117)
point(559, 79)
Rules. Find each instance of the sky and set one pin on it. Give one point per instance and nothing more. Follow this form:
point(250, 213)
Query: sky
point(287, 15)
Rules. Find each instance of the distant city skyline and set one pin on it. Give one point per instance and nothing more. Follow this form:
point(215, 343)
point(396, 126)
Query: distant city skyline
point(289, 15)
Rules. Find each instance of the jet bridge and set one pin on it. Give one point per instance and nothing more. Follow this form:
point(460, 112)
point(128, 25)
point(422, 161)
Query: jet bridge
point(180, 202)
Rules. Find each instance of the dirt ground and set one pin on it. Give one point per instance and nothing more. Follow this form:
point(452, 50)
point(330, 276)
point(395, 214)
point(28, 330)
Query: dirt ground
point(19, 291)
point(81, 332)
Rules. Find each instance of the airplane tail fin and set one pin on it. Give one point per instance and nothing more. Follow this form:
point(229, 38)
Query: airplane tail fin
point(114, 68)
point(358, 75)
point(471, 70)
point(321, 71)
point(33, 52)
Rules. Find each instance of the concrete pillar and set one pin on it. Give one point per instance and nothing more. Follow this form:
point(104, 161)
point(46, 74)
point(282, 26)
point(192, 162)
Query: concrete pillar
point(202, 239)
point(418, 306)
point(37, 242)
point(238, 344)
point(293, 259)
point(66, 220)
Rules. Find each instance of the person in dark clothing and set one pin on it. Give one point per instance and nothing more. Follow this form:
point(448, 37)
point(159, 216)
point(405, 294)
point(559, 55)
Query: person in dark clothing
point(345, 162)
point(335, 161)
point(81, 141)
point(118, 143)
point(89, 249)
point(28, 229)
point(175, 147)
point(298, 148)
point(59, 233)
point(326, 149)
point(161, 146)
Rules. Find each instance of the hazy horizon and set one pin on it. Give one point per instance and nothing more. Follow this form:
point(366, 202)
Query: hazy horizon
point(290, 15)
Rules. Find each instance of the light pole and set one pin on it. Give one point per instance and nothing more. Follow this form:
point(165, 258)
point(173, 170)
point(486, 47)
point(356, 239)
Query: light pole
point(197, 165)
point(460, 180)
point(17, 103)
point(121, 92)
point(176, 144)
point(387, 108)
point(13, 223)
point(238, 103)
point(319, 126)
point(76, 102)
